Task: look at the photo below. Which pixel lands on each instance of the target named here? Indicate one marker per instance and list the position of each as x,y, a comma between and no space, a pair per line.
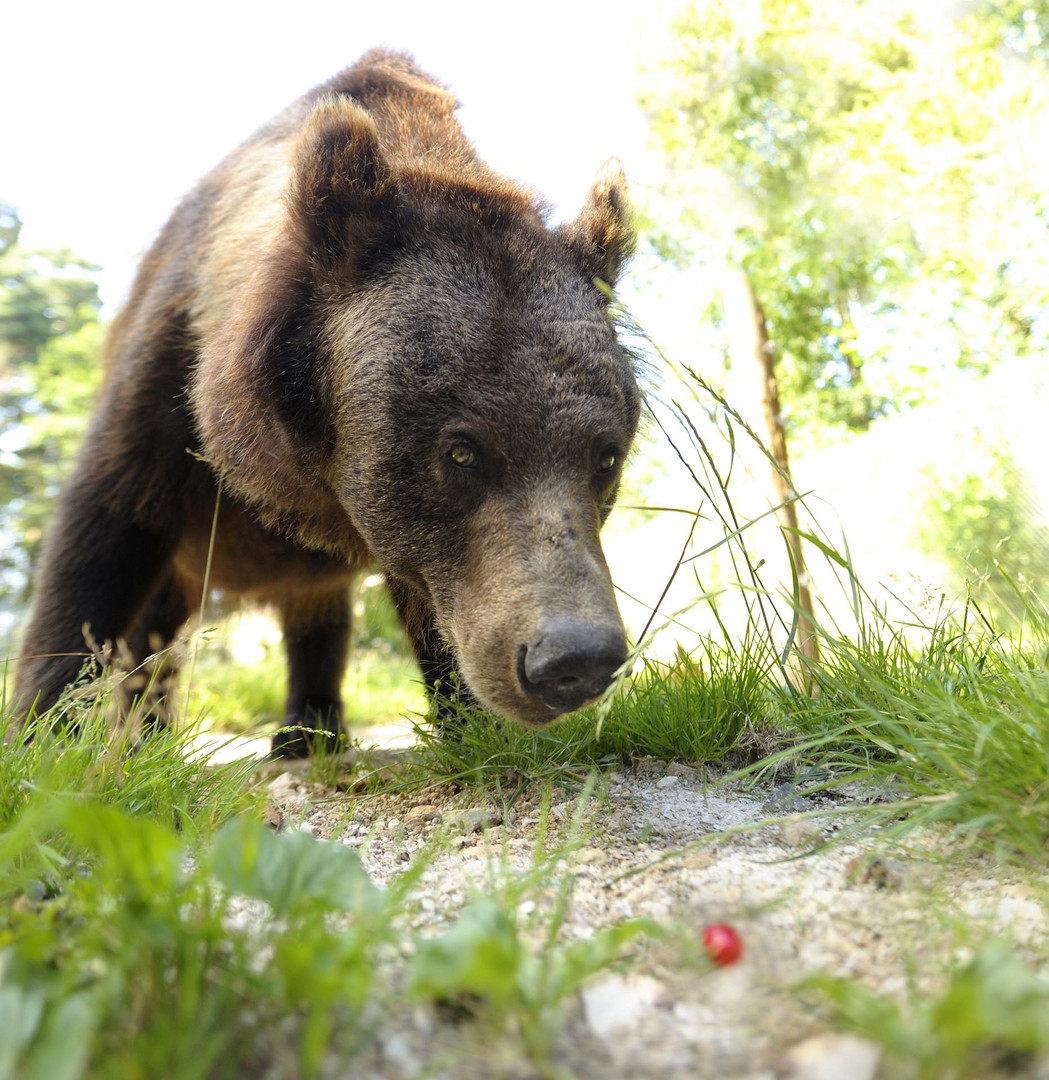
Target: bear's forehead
462,304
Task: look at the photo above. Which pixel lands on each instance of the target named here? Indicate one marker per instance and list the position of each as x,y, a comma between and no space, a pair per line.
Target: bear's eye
463,455
607,461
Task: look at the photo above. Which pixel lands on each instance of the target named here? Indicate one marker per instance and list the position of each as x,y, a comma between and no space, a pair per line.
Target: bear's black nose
570,662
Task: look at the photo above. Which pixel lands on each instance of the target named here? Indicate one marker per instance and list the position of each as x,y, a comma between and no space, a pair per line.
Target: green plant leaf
292,872
995,999
481,955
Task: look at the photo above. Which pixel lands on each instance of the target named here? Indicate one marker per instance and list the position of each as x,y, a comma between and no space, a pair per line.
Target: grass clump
951,716
159,777
504,959
145,965
701,707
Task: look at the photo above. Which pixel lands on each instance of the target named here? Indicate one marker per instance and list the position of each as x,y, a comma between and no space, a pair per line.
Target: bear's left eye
607,461
463,455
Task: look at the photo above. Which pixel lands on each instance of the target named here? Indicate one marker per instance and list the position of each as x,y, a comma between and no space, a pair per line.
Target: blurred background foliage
50,370
868,180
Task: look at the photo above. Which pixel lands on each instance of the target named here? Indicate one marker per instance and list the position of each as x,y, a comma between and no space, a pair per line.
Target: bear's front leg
444,685
316,632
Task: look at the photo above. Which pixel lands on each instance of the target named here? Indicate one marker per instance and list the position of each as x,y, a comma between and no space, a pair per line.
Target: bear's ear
603,235
340,179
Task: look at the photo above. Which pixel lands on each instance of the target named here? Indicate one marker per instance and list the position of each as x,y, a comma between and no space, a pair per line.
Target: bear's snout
570,662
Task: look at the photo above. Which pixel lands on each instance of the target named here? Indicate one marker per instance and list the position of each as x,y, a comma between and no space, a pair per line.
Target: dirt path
648,851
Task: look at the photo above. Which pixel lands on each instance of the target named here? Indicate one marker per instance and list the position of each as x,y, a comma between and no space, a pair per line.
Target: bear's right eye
463,455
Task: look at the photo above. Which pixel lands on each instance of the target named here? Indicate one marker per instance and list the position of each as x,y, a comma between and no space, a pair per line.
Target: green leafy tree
49,373
862,171
979,515
857,163
1017,25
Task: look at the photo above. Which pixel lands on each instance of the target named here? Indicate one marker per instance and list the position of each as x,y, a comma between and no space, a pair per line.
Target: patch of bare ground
662,844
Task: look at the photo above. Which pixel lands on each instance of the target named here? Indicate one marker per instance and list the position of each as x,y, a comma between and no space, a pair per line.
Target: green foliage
992,1009
983,516
948,717
293,874
142,968
483,959
45,294
1019,25
142,942
858,164
50,343
486,962
156,778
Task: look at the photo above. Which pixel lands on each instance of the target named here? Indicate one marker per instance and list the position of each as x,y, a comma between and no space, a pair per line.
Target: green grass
951,716
139,966
703,707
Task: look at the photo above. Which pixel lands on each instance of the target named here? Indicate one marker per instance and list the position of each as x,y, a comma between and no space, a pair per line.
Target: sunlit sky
113,110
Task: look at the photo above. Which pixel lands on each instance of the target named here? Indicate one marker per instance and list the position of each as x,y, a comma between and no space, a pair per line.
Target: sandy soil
663,842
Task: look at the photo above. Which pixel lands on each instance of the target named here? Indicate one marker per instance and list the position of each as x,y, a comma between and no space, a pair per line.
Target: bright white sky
113,110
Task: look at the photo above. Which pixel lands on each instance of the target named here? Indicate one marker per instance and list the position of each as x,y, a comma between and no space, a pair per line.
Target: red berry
724,946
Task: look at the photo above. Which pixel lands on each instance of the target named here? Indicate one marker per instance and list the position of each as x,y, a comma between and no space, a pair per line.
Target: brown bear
364,348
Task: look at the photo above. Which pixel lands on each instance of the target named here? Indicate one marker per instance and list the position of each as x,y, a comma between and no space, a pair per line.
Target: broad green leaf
292,871
481,954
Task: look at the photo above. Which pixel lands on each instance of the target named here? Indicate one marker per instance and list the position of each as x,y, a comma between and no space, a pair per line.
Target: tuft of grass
145,964
512,970
950,715
705,706
157,776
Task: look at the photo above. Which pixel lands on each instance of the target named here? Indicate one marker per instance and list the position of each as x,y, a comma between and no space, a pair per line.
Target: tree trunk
787,512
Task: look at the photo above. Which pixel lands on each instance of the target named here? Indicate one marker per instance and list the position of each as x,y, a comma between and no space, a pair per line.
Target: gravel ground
655,845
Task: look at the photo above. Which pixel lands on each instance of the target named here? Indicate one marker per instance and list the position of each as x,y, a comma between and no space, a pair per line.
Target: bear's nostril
570,662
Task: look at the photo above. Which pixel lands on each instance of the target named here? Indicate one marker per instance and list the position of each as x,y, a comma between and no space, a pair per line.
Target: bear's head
443,367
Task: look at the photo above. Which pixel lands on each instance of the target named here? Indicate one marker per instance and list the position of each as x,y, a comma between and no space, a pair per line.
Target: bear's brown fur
378,350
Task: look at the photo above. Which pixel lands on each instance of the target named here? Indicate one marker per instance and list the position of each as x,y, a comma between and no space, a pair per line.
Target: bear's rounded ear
603,236
339,180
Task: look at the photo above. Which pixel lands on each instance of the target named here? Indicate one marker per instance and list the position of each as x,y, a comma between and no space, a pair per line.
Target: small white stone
619,1002
668,781
833,1057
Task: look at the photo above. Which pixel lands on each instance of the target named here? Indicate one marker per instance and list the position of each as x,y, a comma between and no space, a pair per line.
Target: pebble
473,820
650,769
283,787
798,832
785,799
619,1002
419,814
831,1056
